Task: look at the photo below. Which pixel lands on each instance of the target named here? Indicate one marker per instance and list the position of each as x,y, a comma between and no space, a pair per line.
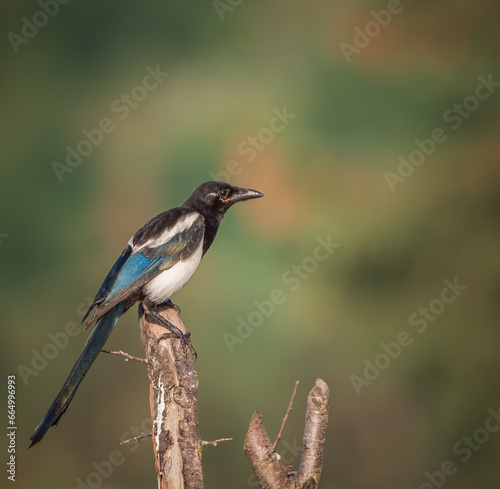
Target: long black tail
92,347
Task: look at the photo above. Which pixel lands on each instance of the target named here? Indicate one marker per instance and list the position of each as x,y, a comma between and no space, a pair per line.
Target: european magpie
158,261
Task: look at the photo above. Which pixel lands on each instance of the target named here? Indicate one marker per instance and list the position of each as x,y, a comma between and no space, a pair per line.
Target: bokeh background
230,65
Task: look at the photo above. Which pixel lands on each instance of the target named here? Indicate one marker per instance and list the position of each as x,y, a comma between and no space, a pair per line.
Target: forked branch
269,471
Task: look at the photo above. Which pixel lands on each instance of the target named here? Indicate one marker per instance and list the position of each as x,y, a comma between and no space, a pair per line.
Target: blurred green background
324,175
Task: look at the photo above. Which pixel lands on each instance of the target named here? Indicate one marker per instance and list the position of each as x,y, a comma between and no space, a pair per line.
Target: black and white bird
158,261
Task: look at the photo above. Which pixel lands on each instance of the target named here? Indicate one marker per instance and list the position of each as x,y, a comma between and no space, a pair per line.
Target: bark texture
173,393
265,461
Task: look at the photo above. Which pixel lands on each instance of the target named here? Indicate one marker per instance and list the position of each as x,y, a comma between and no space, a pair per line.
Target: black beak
245,194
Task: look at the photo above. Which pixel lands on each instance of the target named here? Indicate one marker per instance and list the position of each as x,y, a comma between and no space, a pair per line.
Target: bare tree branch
259,451
174,386
314,437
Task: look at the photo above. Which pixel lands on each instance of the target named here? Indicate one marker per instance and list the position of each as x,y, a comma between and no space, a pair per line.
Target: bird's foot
174,331
185,338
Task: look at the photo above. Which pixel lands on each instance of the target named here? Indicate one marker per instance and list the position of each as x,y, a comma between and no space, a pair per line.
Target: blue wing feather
133,270
137,269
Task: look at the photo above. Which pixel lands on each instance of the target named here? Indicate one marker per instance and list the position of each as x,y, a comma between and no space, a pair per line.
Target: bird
158,261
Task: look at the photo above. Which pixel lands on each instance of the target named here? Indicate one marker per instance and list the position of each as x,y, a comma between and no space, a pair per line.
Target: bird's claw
186,340
173,306
184,337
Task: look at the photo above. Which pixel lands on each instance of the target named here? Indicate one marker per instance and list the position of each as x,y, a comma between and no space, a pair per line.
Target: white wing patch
186,222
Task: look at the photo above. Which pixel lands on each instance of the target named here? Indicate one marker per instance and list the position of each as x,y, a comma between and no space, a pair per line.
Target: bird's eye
224,193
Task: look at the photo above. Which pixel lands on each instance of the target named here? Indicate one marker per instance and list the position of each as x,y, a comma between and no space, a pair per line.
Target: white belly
165,285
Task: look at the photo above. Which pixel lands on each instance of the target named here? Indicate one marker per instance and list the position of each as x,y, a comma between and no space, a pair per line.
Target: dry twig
214,442
125,355
137,438
285,418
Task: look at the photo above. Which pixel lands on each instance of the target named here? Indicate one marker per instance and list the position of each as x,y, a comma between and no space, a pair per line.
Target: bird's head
217,197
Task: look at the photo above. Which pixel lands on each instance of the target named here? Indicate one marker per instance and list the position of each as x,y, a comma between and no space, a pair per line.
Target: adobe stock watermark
293,277
223,6
254,143
454,116
464,449
364,36
31,27
12,427
121,107
102,470
3,236
419,320
57,342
